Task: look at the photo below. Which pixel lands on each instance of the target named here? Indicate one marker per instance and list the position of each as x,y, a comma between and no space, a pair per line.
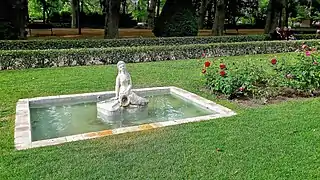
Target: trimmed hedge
21,59
105,43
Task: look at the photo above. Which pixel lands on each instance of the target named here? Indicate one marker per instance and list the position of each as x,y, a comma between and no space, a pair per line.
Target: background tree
151,13
273,15
74,9
13,18
219,19
178,18
112,14
202,13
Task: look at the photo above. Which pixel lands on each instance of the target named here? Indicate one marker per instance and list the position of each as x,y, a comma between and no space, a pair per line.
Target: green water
56,120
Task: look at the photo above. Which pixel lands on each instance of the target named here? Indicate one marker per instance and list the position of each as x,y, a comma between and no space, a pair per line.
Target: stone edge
89,96
202,102
191,97
22,128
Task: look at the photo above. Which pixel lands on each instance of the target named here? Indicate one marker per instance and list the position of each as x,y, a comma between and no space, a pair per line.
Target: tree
13,18
218,26
74,10
151,13
178,18
202,13
112,14
274,11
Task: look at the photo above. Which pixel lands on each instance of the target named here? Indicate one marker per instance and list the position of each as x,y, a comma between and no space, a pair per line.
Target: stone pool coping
22,133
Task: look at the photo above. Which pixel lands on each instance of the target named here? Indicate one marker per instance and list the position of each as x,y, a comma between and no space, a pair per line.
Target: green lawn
272,142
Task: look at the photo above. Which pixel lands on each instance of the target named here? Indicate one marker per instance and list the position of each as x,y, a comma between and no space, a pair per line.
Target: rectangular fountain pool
58,119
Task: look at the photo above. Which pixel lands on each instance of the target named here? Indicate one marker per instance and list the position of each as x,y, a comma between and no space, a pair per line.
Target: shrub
265,78
303,74
19,59
178,18
181,24
247,79
105,43
7,31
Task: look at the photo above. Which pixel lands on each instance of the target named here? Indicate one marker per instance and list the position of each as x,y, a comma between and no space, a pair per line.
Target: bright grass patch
279,141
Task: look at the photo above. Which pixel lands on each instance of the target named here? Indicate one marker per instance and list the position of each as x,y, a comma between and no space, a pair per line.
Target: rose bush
266,77
303,74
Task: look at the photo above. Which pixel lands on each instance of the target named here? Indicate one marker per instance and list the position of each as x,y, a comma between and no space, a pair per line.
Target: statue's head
121,66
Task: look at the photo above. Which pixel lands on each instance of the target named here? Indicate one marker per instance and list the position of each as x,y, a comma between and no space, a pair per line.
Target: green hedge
21,59
105,43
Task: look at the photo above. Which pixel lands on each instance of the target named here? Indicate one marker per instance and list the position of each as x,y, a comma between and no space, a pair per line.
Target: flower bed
268,78
21,59
105,43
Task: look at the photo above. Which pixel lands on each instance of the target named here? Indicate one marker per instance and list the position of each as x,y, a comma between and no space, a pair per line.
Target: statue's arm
117,87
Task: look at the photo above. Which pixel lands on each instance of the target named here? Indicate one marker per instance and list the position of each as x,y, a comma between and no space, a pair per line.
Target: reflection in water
63,120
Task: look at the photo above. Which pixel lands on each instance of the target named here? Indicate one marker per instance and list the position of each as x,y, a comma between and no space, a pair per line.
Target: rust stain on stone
90,134
105,133
145,127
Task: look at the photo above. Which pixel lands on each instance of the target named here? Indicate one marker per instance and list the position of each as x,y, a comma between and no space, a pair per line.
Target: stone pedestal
111,111
108,110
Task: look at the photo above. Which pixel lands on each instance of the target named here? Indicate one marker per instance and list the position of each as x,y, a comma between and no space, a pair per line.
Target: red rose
308,53
222,73
274,61
241,89
203,54
207,64
315,63
222,66
204,71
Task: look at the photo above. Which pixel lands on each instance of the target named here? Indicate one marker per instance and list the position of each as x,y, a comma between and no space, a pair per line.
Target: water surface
56,120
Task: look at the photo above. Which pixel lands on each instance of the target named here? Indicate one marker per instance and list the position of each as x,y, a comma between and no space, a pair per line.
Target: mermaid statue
124,96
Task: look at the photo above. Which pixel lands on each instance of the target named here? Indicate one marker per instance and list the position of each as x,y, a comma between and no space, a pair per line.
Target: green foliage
265,78
60,7
7,31
177,19
140,10
52,6
104,43
20,59
182,23
246,77
303,74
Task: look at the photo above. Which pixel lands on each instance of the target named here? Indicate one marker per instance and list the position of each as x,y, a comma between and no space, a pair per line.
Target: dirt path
124,33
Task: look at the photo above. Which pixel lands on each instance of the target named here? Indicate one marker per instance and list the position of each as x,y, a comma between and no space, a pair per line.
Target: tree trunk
106,14
209,18
151,13
44,8
113,19
285,14
273,15
22,17
202,13
124,6
218,26
74,9
158,8
13,19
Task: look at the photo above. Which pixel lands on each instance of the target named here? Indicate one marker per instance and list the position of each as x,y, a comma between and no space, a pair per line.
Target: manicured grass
273,142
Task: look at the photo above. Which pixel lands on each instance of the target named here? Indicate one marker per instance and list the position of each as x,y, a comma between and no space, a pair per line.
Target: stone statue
123,88
124,96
